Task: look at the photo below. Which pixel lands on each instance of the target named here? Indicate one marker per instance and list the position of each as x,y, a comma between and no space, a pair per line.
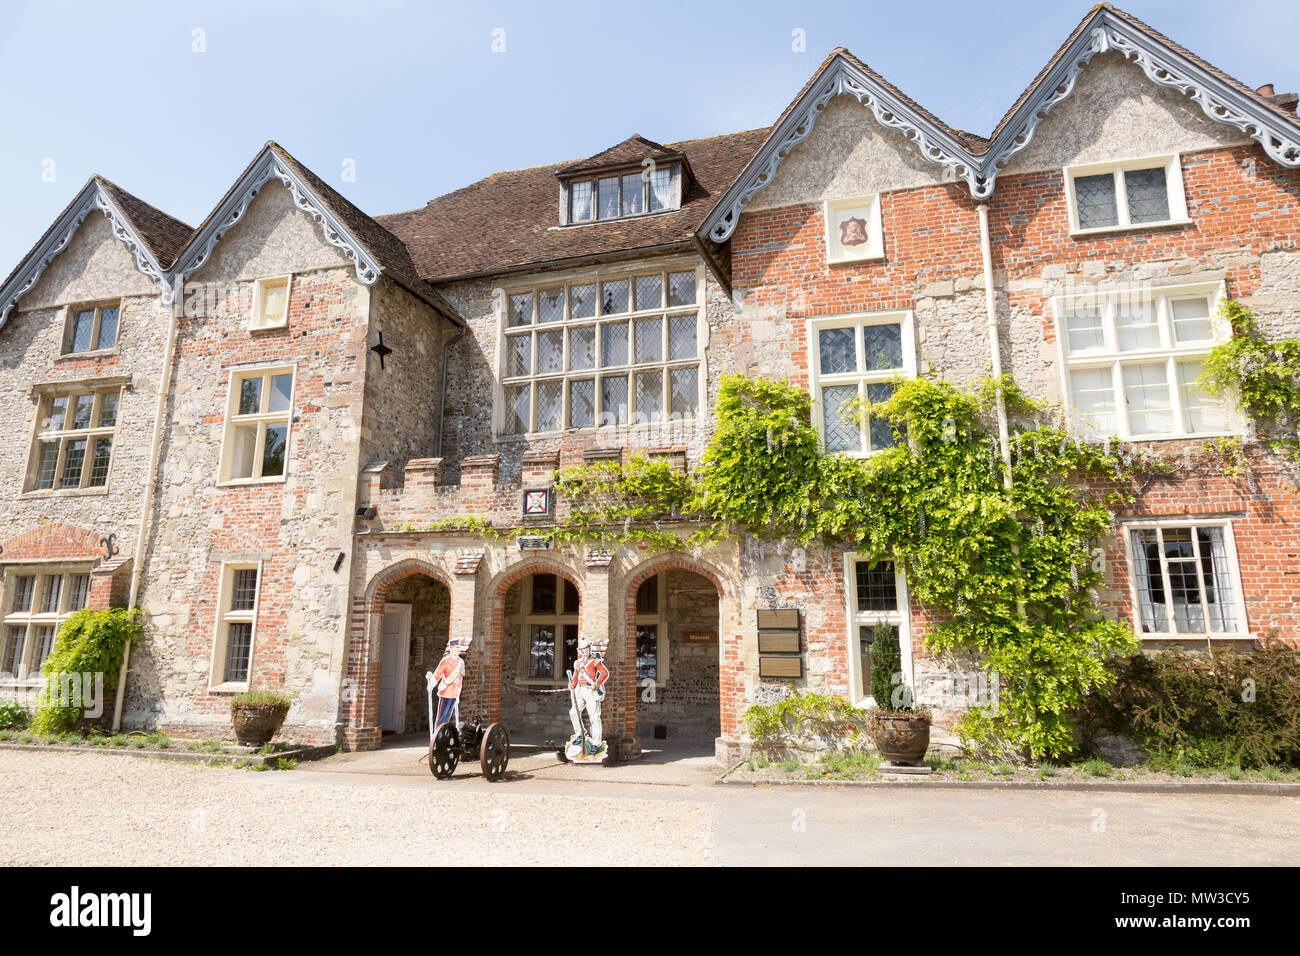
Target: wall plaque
778,642
699,637
782,667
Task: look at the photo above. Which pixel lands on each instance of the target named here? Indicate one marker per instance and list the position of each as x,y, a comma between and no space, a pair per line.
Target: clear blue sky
414,94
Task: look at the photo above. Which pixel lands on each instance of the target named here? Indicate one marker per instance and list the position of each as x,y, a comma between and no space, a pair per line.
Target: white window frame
900,619
598,372
556,621
1234,569
660,620
862,379
1172,166
257,319
875,244
1170,353
224,616
647,187
262,419
65,434
35,618
69,328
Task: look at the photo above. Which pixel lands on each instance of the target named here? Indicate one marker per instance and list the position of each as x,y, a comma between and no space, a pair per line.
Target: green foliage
13,715
799,715
88,642
1263,376
886,661
1213,709
261,698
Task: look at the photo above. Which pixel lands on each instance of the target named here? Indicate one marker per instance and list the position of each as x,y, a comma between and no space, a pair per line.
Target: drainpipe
995,345
146,510
442,398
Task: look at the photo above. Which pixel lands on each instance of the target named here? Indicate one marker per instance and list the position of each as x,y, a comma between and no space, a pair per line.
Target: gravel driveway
93,809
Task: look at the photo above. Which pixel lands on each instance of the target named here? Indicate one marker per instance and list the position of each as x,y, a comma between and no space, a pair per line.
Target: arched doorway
413,637
674,632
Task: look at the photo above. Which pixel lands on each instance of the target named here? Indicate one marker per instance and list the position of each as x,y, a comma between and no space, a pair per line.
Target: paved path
387,808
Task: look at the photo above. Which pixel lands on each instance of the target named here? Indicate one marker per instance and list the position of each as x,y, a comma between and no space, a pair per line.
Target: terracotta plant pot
901,738
256,724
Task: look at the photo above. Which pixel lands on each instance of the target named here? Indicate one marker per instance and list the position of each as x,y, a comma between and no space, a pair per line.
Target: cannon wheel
444,752
494,754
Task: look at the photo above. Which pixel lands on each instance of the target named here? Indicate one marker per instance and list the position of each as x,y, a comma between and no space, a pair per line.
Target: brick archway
730,680
362,730
489,683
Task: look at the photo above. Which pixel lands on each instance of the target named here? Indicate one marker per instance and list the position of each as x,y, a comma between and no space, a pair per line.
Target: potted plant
900,730
257,715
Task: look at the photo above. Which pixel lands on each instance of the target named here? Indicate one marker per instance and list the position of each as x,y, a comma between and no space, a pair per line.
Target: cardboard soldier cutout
586,692
448,677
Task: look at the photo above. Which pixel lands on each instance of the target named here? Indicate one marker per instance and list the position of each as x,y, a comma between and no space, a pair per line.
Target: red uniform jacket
594,674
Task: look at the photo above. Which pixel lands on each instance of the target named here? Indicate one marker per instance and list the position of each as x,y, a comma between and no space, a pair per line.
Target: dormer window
624,194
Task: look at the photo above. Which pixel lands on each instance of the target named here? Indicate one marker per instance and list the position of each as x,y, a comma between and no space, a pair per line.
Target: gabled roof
631,152
152,236
511,220
977,160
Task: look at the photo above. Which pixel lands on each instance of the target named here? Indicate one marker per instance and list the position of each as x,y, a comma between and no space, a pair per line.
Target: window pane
650,292
550,406
13,651
684,391
81,410
1148,195
107,328
608,197
243,589
108,410
99,462
1146,391
570,648
1095,198
647,596
580,205
520,309
519,350
866,638
582,403
632,204
613,409
243,451
661,188
541,651
839,421
582,348
23,588
880,432
518,398
250,395
550,305
1220,596
1202,412
650,396
78,591
277,437
550,351
613,344
58,413
1191,319
570,595
1083,330
74,456
647,652
582,301
876,586
44,645
83,328
281,387
681,288
1183,580
544,594
274,302
1092,393
239,642
49,461
650,340
53,587
837,351
614,297
681,336
1135,326
882,347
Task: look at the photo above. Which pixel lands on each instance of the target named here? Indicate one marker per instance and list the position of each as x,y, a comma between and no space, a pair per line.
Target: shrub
808,714
261,698
88,642
886,661
1205,709
13,715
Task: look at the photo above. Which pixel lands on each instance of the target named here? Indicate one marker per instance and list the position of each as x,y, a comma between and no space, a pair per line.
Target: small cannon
468,739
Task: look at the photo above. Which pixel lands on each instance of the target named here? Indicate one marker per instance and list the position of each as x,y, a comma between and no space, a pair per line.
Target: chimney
1286,101
1265,90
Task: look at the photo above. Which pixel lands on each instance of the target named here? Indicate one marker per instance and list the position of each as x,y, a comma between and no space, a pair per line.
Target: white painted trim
255,320
262,419
901,619
875,245
217,663
1174,190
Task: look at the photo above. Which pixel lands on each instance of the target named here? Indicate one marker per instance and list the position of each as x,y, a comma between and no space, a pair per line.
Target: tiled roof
164,235
511,220
632,151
